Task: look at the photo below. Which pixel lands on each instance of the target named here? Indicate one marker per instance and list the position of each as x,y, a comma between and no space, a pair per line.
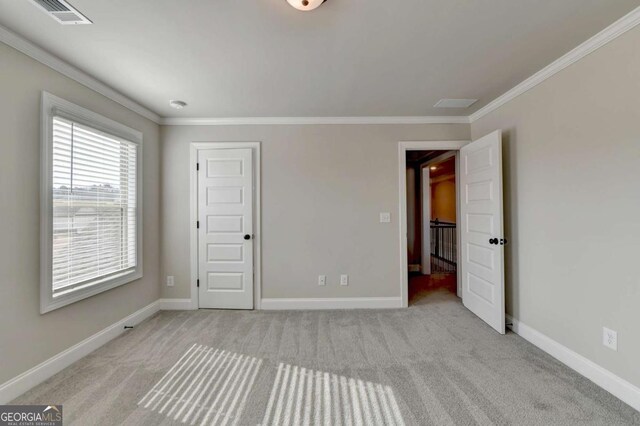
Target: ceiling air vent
455,103
62,12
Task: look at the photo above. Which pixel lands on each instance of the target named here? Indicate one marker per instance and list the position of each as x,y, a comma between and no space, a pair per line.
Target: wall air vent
62,11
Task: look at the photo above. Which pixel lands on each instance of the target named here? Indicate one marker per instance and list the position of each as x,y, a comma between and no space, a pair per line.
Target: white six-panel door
481,229
225,233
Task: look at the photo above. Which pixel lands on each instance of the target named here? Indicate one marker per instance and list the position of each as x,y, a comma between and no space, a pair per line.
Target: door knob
247,237
503,241
493,241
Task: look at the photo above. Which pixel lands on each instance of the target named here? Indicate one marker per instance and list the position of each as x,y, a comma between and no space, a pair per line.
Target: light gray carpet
434,363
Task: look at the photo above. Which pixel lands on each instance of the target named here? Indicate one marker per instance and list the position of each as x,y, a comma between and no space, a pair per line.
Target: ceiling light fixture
177,104
305,5
434,168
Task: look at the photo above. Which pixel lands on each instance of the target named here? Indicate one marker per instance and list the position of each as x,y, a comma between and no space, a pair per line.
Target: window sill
49,302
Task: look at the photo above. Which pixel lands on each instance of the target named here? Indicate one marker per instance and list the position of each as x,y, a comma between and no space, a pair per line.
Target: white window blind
94,206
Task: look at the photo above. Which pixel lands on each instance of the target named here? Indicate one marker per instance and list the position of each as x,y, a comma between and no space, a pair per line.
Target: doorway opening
432,239
479,239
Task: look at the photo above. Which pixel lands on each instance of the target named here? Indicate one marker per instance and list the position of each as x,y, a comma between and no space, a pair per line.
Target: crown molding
21,44
245,121
613,31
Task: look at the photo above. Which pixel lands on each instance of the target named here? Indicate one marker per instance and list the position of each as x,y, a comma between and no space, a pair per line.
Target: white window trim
52,105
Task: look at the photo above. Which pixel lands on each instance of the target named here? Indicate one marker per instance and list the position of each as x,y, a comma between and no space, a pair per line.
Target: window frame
54,106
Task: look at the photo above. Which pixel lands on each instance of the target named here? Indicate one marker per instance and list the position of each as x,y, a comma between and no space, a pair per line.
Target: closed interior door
225,233
482,240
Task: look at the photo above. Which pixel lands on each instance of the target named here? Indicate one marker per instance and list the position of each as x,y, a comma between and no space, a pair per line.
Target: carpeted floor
434,363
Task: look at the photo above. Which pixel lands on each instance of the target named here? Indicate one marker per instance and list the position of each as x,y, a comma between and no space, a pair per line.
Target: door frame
193,215
403,147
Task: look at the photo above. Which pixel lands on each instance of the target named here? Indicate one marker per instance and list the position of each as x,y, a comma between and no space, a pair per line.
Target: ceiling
416,158
443,168
348,58
446,167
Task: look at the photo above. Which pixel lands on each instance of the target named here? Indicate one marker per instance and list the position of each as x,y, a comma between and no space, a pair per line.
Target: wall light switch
322,280
610,338
385,217
344,279
170,281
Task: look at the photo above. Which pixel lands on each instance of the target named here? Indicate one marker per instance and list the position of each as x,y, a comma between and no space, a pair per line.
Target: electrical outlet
385,217
322,280
344,279
610,338
170,281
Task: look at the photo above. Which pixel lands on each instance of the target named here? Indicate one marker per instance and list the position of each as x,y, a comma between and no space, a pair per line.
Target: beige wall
26,337
443,200
572,198
323,188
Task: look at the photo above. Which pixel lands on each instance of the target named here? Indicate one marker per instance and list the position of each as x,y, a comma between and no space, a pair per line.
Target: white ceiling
262,58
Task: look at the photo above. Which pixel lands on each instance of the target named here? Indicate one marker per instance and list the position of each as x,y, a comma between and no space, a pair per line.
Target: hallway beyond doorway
424,289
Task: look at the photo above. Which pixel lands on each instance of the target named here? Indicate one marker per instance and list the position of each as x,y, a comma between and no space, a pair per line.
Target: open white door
225,228
482,263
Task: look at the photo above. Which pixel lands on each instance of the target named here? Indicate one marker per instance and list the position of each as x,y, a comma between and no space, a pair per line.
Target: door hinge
197,166
198,224
198,283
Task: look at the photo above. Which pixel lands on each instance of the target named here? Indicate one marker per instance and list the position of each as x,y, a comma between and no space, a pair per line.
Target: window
91,221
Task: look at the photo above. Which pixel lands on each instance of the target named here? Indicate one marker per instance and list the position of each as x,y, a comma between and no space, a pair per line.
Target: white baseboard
617,386
176,305
41,372
414,268
332,303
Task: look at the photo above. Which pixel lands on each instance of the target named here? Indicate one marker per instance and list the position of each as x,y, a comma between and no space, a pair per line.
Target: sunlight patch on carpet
206,386
302,396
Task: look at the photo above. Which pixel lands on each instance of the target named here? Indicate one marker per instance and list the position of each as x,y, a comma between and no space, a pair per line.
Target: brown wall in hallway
443,200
